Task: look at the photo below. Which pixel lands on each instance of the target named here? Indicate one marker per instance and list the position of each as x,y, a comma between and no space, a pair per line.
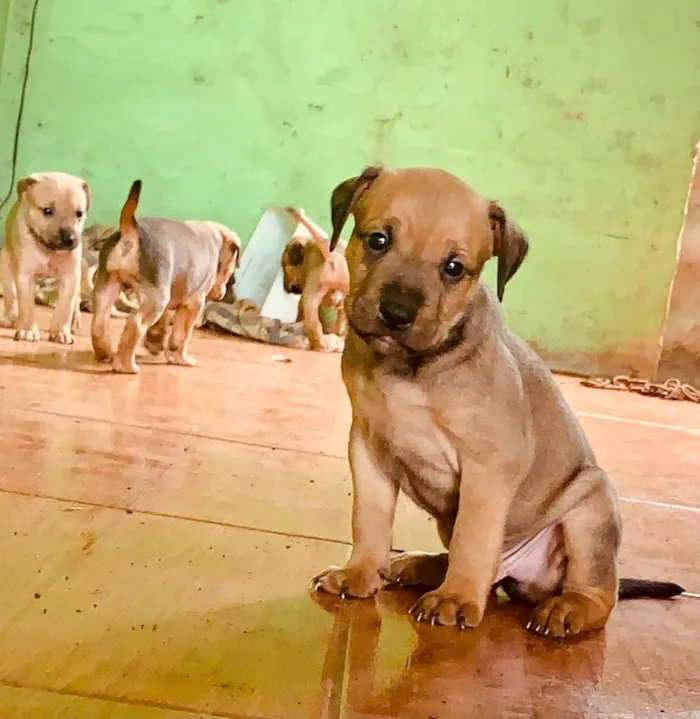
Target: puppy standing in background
320,276
174,266
43,237
452,408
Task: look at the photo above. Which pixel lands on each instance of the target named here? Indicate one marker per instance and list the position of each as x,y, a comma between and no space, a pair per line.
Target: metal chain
671,389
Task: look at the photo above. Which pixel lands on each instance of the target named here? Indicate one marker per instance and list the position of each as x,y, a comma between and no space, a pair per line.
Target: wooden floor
158,534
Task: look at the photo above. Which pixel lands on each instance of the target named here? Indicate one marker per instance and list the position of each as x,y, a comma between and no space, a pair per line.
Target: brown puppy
175,267
43,234
461,415
321,278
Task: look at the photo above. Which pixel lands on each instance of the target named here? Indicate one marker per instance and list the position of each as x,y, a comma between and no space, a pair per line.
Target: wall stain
594,84
198,79
623,139
590,27
314,107
384,128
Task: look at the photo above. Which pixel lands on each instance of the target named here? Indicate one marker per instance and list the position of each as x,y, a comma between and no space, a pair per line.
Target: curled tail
127,220
639,588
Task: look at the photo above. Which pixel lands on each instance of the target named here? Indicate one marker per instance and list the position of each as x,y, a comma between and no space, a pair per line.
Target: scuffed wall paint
680,355
561,111
4,9
15,41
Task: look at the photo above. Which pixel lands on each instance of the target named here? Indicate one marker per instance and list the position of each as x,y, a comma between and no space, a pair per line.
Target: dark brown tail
127,221
639,588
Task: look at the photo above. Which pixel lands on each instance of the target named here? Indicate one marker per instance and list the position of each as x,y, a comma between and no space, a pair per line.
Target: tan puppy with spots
321,278
453,409
43,238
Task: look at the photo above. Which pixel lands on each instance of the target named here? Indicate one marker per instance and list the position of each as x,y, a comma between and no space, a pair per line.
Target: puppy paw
567,615
8,323
153,345
61,337
417,569
447,609
332,343
30,335
349,583
124,366
102,354
180,358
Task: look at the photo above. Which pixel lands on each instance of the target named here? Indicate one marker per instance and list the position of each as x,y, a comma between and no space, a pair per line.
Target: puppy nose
398,306
66,237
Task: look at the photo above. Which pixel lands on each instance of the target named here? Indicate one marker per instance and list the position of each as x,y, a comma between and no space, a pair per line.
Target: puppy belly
537,562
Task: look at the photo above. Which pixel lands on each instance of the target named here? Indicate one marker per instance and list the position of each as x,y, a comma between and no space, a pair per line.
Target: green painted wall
580,117
4,8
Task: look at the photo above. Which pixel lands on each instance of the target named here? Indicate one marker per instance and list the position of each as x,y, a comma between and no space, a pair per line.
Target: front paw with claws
61,337
447,609
27,335
349,582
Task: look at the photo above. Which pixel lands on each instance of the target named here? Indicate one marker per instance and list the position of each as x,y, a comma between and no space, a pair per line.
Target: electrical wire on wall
20,109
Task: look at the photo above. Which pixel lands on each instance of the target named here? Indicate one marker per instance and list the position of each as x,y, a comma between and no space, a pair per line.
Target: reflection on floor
159,532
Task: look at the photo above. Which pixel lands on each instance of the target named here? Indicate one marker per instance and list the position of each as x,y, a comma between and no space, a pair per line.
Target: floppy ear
86,188
510,246
25,183
345,197
295,254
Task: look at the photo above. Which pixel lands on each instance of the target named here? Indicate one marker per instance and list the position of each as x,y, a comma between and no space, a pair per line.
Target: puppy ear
295,254
25,184
346,196
234,244
86,189
510,246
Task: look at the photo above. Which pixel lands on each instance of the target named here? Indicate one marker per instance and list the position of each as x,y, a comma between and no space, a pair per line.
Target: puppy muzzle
399,306
63,241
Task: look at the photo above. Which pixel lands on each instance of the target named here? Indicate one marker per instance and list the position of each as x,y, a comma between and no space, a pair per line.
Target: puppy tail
645,588
127,219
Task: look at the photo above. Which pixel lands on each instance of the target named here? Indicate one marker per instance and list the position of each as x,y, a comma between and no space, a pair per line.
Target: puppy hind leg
592,533
422,569
183,324
105,293
153,305
154,341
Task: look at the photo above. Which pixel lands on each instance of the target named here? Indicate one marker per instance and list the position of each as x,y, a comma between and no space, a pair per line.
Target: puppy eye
48,211
454,269
79,214
378,242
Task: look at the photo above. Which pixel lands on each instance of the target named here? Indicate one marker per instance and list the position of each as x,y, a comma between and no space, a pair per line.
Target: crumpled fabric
242,318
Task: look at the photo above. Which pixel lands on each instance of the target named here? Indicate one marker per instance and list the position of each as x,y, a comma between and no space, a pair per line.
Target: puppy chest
400,416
